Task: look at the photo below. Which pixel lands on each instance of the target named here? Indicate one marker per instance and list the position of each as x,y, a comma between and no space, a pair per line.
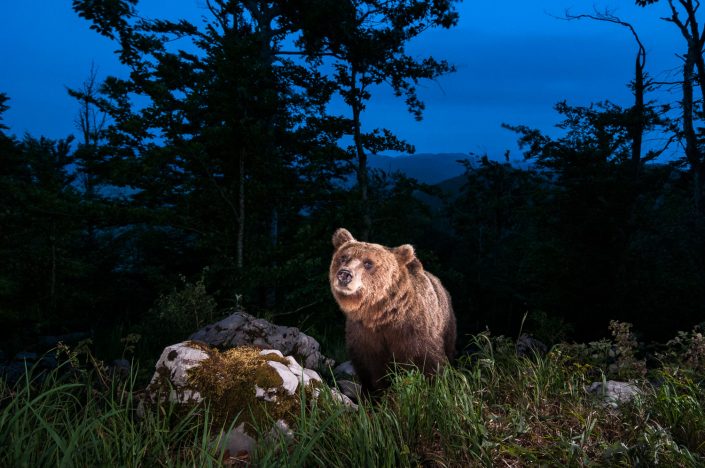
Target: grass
493,409
54,420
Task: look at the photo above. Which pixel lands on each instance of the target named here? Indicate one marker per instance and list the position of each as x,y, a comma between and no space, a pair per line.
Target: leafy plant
179,313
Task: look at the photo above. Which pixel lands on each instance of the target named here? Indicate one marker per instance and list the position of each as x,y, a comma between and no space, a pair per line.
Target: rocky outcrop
243,329
242,384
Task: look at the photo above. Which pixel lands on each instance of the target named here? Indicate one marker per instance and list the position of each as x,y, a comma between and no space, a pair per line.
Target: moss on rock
228,380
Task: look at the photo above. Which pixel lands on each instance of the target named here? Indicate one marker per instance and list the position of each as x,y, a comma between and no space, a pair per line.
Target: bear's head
364,275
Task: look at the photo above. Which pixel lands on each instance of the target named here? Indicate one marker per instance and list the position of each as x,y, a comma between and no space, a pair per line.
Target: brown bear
396,311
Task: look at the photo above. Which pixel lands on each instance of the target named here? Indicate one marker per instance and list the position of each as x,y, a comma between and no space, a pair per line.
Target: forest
216,170
212,177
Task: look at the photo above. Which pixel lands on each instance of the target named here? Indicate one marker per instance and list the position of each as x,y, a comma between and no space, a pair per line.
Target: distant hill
428,168
450,187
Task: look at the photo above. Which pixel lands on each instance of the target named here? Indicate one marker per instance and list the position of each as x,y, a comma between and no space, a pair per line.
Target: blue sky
514,62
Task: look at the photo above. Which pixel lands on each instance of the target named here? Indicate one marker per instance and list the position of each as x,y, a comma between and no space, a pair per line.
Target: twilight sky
514,62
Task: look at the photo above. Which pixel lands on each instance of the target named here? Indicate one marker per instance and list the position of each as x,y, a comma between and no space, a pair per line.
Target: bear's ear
405,253
341,236
407,256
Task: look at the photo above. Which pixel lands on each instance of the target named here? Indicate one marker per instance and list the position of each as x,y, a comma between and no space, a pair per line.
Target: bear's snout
344,276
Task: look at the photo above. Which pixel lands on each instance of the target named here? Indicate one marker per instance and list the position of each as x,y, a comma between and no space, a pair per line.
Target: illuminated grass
494,409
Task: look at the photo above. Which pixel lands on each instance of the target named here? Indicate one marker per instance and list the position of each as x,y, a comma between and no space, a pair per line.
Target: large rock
350,389
243,329
172,372
344,370
244,382
528,346
346,381
613,392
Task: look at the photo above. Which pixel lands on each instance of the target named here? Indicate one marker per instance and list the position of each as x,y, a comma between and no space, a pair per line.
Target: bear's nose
344,276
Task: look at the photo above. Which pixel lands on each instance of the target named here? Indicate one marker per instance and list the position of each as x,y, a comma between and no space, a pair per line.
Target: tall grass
494,409
70,419
498,409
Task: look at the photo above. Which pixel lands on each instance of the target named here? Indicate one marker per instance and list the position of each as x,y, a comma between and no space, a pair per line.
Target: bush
179,313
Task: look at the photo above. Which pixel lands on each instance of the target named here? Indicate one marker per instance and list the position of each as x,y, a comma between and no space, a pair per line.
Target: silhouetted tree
91,123
684,16
230,145
365,41
601,223
642,116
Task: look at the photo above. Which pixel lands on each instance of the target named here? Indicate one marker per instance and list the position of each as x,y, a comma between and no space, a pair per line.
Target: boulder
344,370
25,361
172,373
613,392
243,329
244,382
528,346
121,367
350,389
346,380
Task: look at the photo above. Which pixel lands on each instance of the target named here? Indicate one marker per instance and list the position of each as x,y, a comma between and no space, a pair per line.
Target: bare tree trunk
695,38
52,280
698,181
699,169
691,141
362,179
638,123
690,30
271,292
241,212
694,59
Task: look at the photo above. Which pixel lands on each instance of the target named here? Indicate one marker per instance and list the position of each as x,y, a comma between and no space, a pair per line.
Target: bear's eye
368,264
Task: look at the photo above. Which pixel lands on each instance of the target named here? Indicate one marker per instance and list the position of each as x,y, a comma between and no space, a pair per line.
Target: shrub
179,313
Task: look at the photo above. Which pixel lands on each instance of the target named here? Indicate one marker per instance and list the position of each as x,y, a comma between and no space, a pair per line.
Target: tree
601,240
684,15
230,147
40,229
641,115
91,123
366,41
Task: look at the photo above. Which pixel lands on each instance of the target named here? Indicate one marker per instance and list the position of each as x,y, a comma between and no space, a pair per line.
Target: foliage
590,242
496,408
71,418
615,359
219,151
179,313
627,365
366,49
217,161
500,409
685,352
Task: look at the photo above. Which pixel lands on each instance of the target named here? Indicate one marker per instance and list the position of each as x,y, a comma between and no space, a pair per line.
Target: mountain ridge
429,168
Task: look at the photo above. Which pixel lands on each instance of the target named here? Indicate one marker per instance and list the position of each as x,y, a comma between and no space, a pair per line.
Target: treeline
216,171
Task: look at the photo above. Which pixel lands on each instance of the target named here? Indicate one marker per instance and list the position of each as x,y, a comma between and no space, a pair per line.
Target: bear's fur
395,310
